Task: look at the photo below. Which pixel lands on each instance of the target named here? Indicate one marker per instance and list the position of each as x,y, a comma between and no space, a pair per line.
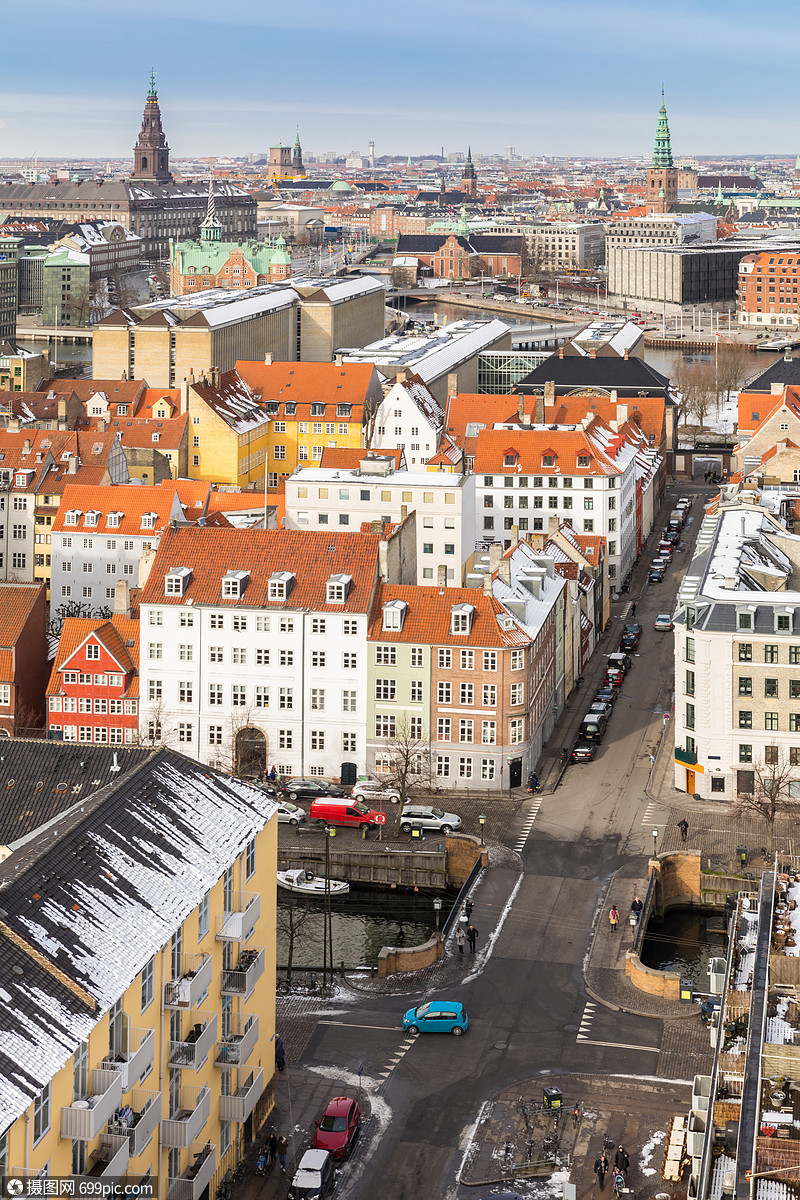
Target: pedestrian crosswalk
527,825
590,1008
651,815
400,1052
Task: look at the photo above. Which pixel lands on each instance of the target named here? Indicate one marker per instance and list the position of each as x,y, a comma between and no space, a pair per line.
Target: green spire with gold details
662,150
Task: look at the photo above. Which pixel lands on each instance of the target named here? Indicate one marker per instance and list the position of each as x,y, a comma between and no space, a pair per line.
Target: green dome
280,255
341,185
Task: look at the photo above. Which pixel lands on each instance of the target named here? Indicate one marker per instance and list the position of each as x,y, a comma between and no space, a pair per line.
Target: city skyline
589,87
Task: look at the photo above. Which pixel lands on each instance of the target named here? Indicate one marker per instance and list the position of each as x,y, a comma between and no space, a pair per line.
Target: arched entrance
251,753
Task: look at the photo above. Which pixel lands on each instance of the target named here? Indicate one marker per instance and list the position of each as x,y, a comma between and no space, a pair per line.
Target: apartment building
444,504
566,245
93,693
139,935
662,229
451,684
409,415
253,649
737,655
768,289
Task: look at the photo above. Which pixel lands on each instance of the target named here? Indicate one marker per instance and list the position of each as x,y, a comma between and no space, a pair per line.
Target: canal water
362,923
681,942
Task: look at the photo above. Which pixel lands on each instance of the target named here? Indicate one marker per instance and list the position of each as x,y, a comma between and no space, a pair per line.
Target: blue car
437,1016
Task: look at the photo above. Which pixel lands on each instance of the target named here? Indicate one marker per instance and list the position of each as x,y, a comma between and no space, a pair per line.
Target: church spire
297,155
662,150
469,183
210,229
151,152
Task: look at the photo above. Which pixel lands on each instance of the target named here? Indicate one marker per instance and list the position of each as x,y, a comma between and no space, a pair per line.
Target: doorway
349,774
515,773
251,753
690,781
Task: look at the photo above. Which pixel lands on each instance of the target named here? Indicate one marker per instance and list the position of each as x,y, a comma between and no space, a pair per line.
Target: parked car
607,693
614,677
310,789
370,789
593,727
656,574
633,627
335,811
437,1016
583,750
663,622
620,659
628,642
425,816
314,1178
338,1128
665,549
290,814
604,707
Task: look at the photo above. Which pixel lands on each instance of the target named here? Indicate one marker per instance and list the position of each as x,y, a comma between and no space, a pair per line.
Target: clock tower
662,176
151,152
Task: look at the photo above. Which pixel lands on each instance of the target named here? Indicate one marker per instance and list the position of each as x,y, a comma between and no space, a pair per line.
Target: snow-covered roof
431,355
96,894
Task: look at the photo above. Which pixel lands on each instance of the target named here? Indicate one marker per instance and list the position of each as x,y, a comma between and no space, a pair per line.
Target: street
529,1012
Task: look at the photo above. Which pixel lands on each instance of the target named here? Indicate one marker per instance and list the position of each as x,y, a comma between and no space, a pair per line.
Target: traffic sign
380,818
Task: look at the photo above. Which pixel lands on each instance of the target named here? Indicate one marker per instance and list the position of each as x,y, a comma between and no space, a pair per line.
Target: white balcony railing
194,982
110,1158
136,1060
193,1051
242,979
241,1103
83,1119
188,1121
239,923
235,1049
197,1176
138,1119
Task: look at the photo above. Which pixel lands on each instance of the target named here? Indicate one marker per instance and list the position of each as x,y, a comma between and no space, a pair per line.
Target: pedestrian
636,908
633,609
461,937
472,937
468,907
283,1146
272,1148
600,1168
622,1160
280,1053
613,918
684,828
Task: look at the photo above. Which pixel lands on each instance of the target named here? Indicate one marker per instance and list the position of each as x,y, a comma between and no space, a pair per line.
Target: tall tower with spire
297,156
151,152
210,228
469,182
662,176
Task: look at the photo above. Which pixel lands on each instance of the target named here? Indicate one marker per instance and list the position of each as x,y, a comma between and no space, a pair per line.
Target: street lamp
437,906
655,838
482,822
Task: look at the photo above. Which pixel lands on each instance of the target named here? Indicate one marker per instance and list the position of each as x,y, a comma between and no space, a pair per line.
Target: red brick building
23,657
93,694
768,289
465,255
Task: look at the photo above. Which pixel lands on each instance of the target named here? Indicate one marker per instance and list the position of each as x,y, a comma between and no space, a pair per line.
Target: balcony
136,1060
137,1120
83,1119
688,757
242,980
197,1176
110,1158
188,1121
235,1049
194,982
193,1051
238,1106
239,923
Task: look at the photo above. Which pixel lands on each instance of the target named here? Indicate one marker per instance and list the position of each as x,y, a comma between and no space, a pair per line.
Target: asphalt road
528,1010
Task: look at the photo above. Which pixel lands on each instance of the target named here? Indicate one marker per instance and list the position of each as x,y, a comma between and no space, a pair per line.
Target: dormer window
113,520
744,618
92,517
272,408
784,620
234,584
149,520
548,460
461,616
73,516
510,458
394,614
290,408
280,585
317,410
584,460
337,588
156,437
176,581
122,410
344,410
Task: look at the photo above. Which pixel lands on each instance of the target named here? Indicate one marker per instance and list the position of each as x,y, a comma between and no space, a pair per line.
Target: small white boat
306,883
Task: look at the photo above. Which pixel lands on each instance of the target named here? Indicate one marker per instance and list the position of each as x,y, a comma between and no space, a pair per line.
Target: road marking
649,815
531,816
589,1010
617,1045
351,1025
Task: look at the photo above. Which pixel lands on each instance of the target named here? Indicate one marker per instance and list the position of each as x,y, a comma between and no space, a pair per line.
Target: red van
342,812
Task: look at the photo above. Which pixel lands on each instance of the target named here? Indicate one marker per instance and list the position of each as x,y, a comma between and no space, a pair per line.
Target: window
516,730
465,768
348,743
239,624
348,701
215,735
689,685
443,729
489,693
184,731
204,916
416,691
770,653
690,649
239,695
794,722
517,693
384,726
148,978
317,740
717,783
186,652
262,696
286,658
386,655
745,652
155,650
745,718
690,716
517,660
487,768
771,687
350,628
318,699
745,685
771,756
465,731
417,656
442,766
284,740
490,660
216,621
794,655
445,658
185,692
444,692
350,661
466,693
41,1114
285,697
215,694
467,661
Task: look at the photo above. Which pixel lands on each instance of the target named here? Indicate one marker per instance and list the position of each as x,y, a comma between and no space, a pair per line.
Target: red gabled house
93,694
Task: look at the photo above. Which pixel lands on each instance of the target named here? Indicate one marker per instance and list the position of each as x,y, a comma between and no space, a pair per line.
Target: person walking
280,1053
283,1146
472,937
468,907
613,918
684,828
636,908
601,1168
272,1149
622,1160
461,937
633,609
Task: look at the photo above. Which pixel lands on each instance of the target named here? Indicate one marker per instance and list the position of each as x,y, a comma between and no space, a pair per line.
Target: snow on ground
648,1150
379,1112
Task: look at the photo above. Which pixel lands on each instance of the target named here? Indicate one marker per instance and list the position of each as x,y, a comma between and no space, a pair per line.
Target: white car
425,816
370,789
290,814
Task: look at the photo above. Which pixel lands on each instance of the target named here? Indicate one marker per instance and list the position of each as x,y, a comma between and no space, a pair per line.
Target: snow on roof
431,355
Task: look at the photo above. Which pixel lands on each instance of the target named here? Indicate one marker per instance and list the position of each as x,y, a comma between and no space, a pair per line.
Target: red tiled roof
469,408
531,445
16,604
130,500
645,411
312,556
349,458
117,391
428,617
137,432
119,636
304,382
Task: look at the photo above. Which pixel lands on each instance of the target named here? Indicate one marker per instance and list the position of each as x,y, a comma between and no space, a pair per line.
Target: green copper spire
662,151
152,91
720,199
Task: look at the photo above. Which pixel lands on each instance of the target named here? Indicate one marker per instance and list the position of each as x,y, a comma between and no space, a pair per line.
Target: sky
581,78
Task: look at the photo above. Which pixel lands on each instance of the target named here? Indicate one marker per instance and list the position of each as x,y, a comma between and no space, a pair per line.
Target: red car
338,1128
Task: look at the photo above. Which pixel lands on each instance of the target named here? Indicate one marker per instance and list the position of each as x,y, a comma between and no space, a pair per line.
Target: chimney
495,554
338,358
552,524
62,412
441,575
13,425
622,414
487,582
561,352
268,359
787,354
452,384
776,389
72,465
504,566
521,408
184,396
539,417
215,377
122,602
26,446
101,425
592,353
403,511
613,396
625,355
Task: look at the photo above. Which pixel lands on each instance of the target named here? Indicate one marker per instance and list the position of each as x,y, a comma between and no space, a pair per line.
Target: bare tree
292,918
409,757
157,726
80,303
28,722
771,796
696,385
74,608
732,360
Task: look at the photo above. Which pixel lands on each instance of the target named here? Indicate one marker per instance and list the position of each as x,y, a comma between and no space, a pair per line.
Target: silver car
425,816
370,789
290,814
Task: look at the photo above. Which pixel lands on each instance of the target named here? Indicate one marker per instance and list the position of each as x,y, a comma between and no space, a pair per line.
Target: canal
682,941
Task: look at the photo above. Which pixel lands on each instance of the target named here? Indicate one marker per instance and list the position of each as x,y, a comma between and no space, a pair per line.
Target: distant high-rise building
662,176
151,152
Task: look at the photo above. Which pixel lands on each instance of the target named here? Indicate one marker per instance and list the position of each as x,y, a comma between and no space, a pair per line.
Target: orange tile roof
428,617
349,458
137,432
30,450
312,556
119,636
765,404
468,408
151,396
117,391
130,500
192,493
646,411
531,445
304,382
220,501
17,601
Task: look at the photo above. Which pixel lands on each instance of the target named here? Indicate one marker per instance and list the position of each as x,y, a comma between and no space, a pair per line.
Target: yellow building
312,406
228,431
138,936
